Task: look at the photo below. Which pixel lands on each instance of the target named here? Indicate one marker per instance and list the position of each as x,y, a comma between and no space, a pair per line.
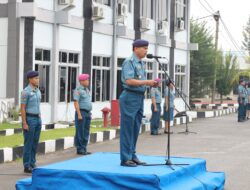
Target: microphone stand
186,132
168,161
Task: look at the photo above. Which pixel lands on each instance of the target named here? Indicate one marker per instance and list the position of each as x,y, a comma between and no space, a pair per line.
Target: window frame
183,5
101,68
147,9
160,10
67,65
180,77
102,2
44,63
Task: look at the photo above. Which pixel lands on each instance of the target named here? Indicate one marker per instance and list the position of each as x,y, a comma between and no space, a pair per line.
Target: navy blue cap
140,43
31,74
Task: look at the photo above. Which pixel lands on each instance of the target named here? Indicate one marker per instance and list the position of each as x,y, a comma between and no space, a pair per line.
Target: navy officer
83,107
31,120
132,102
155,94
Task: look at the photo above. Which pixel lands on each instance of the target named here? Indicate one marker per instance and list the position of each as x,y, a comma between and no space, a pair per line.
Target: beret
83,77
31,74
140,43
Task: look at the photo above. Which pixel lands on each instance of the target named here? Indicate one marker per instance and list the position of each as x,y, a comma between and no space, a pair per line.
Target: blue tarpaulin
103,171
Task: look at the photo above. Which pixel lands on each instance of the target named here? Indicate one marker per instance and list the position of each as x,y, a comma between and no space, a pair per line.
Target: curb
214,106
210,114
8,132
48,146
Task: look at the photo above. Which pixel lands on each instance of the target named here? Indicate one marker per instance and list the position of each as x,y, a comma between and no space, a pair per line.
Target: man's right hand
155,110
25,127
151,83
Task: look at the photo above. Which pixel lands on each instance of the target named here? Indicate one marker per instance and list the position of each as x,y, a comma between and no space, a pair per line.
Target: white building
62,38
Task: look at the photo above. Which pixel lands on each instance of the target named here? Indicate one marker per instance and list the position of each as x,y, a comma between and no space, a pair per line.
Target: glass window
62,57
42,65
101,79
163,10
96,85
62,86
105,2
96,61
180,11
105,85
76,57
71,58
147,7
43,81
180,76
119,88
106,62
46,55
72,75
67,75
38,54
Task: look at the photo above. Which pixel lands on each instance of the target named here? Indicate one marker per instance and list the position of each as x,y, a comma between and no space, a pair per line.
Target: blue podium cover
103,171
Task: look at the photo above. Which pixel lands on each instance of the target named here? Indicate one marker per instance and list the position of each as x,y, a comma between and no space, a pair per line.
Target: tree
227,71
201,61
246,36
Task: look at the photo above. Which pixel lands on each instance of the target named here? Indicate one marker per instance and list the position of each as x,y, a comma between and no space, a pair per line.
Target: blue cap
140,43
31,74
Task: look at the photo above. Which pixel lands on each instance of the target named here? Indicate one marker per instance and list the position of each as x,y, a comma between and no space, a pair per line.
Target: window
180,77
180,11
101,79
162,76
68,71
119,88
147,7
104,2
128,2
149,71
42,65
162,10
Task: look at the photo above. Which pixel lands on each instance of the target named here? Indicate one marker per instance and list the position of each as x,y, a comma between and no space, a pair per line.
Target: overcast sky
234,14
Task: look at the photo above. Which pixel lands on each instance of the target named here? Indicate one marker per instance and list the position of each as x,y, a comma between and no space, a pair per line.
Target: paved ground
223,142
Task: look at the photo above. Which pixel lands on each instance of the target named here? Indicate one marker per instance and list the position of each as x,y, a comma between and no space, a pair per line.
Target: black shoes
133,163
166,132
138,162
83,153
28,170
128,163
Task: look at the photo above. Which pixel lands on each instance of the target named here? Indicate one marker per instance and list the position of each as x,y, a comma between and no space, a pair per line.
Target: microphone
151,56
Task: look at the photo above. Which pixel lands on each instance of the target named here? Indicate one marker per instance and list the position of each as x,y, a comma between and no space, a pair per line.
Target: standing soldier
241,101
248,96
31,120
83,107
155,108
168,107
132,102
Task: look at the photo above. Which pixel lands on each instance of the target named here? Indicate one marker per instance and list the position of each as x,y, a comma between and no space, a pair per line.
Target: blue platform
103,171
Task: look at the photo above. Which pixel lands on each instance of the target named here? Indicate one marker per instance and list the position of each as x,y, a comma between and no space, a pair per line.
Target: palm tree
227,74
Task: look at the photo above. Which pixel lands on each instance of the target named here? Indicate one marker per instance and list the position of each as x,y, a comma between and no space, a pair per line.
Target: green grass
16,140
97,122
3,126
9,126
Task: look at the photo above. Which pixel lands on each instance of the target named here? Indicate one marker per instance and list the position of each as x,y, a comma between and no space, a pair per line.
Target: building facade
62,38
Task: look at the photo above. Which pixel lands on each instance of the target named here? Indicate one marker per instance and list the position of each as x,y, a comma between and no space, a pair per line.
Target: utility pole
217,19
